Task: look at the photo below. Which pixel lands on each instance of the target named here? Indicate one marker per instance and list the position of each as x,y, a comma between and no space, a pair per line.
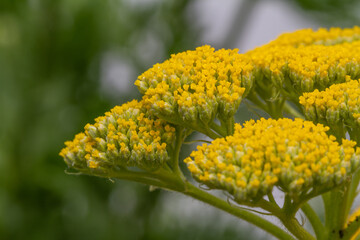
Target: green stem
255,99
345,206
180,134
332,203
351,230
218,129
292,111
352,190
271,198
230,127
287,218
177,120
196,193
338,131
293,225
160,178
315,221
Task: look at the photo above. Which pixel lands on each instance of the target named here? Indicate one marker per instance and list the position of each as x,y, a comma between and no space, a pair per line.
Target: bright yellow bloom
306,60
322,36
194,87
295,155
338,104
125,137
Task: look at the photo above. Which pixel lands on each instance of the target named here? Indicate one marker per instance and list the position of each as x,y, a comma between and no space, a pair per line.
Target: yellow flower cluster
196,86
306,60
125,137
322,36
340,103
294,155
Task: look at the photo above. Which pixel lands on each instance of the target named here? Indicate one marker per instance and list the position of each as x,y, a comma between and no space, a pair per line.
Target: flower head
306,60
125,137
338,104
196,86
322,36
294,155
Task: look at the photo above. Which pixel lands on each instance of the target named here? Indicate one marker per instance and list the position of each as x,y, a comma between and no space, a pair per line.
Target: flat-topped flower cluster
194,87
306,60
294,155
337,104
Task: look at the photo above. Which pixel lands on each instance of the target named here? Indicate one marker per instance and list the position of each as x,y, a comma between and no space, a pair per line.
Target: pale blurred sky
266,20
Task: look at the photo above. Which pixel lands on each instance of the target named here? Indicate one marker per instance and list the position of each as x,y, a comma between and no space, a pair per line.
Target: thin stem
230,127
177,120
332,202
292,111
211,134
338,131
352,230
271,198
315,221
287,218
218,129
352,191
161,178
196,193
180,134
346,203
255,99
292,224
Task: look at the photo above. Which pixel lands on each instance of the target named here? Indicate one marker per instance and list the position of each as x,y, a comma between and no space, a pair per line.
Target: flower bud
127,136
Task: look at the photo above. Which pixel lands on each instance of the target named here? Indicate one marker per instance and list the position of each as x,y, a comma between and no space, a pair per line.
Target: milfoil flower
125,137
337,106
296,156
306,60
193,87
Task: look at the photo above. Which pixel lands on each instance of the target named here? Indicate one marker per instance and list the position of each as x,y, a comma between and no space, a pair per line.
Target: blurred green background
59,69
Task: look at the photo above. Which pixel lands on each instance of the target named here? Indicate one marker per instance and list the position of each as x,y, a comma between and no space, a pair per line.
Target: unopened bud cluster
125,137
197,86
295,155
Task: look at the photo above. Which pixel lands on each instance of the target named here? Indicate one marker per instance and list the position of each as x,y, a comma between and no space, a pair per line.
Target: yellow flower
194,87
125,137
306,60
295,155
338,104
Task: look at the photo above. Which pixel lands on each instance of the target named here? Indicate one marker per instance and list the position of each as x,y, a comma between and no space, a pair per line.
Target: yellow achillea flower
125,137
322,36
294,155
340,103
306,60
194,87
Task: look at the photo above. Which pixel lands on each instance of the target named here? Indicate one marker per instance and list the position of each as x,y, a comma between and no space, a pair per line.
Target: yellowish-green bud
127,136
